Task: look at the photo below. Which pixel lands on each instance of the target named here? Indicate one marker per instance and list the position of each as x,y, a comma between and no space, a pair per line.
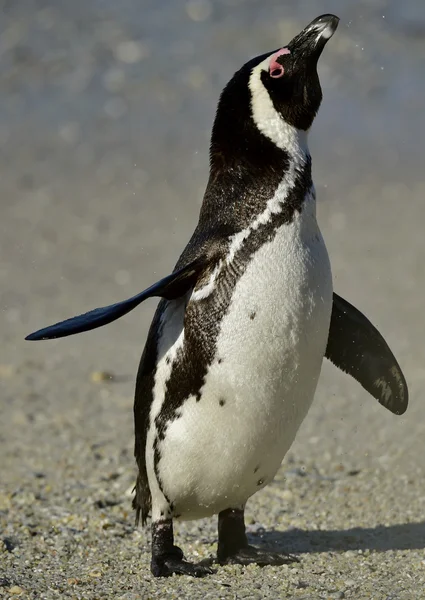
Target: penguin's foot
249,555
233,547
168,559
172,563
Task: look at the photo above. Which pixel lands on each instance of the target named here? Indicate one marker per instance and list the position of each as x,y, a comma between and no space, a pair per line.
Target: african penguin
235,349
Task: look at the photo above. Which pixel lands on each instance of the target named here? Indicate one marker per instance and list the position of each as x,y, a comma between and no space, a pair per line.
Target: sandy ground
105,114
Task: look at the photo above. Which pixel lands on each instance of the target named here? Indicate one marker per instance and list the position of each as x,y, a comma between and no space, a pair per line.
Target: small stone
95,574
287,495
72,581
100,376
353,472
129,492
104,502
10,543
16,590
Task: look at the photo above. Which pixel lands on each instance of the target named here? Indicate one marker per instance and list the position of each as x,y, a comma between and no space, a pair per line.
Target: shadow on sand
407,536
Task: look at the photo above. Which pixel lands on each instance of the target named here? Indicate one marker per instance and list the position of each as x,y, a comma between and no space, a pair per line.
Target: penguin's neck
264,141
247,170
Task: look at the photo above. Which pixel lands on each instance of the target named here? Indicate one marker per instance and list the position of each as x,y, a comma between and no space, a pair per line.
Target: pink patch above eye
275,69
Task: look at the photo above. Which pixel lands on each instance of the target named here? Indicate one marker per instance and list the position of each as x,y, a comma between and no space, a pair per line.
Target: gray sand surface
105,115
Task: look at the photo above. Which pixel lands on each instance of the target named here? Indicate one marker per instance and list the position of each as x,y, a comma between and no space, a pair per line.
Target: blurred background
105,116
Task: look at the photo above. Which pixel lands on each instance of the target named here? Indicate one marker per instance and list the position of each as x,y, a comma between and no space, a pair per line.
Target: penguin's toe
258,556
170,565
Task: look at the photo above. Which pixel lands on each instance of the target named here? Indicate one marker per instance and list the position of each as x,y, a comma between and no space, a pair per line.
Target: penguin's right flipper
356,347
171,287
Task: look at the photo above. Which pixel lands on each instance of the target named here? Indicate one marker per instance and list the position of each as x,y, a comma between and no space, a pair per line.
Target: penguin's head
289,75
274,91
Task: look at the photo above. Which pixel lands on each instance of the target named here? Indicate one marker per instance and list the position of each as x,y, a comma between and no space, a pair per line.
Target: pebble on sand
16,590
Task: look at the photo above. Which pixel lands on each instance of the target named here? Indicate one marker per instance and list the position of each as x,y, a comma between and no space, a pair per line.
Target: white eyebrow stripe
267,119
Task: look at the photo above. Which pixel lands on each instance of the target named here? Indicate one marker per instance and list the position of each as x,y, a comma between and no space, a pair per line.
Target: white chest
260,386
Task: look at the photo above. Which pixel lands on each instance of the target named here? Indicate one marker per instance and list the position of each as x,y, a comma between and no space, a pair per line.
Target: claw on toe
251,555
177,566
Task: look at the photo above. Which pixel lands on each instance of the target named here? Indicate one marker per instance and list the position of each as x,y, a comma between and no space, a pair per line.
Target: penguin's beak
311,41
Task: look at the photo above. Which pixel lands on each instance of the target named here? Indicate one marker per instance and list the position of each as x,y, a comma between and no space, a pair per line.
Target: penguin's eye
276,71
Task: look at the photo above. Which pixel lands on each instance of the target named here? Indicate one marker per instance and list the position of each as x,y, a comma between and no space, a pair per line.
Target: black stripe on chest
203,317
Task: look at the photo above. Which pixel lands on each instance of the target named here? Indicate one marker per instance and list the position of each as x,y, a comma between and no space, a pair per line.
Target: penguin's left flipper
357,348
171,287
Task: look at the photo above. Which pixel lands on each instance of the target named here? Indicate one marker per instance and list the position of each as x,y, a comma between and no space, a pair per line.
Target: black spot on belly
167,360
256,468
220,360
261,481
222,402
252,315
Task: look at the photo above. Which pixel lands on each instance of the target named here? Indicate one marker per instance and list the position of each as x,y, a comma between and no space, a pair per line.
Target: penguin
235,349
